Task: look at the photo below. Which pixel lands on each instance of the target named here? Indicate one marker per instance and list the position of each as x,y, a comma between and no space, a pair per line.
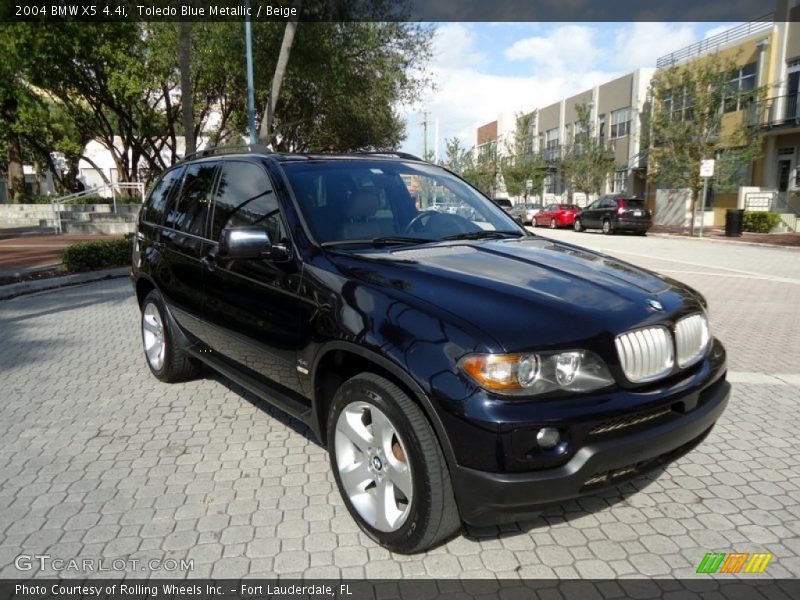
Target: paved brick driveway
98,459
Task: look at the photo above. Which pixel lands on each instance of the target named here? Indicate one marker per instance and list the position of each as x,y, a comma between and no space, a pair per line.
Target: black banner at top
400,10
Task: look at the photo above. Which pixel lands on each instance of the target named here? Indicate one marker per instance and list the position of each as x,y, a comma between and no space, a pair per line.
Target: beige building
615,109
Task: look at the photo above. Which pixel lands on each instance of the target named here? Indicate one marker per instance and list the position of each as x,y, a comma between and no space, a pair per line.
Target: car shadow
264,406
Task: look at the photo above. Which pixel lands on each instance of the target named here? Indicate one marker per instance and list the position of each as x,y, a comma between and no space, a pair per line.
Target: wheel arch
340,359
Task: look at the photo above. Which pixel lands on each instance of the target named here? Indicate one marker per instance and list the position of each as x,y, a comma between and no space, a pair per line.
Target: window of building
601,129
620,123
736,94
551,144
679,105
619,181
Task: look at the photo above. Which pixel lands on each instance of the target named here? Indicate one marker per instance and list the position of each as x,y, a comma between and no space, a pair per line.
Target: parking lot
100,460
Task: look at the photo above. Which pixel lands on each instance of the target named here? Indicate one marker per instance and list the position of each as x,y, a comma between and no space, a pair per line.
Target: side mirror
249,243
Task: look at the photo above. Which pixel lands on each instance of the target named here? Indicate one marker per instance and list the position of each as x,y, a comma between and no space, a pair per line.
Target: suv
314,282
615,213
503,203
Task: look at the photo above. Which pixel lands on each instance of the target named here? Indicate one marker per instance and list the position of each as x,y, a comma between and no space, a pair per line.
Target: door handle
209,262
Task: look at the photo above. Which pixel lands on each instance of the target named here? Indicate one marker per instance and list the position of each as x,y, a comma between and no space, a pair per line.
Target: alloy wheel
373,467
153,336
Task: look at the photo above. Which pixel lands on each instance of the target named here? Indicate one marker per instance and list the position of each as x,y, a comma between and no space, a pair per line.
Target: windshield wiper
483,234
379,242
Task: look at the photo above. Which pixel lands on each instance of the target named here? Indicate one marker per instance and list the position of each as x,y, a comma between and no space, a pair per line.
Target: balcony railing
775,112
715,42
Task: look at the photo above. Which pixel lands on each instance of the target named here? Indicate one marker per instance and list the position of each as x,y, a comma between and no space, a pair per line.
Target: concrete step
92,227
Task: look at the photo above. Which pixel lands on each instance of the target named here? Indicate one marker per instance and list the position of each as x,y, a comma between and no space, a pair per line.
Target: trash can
734,222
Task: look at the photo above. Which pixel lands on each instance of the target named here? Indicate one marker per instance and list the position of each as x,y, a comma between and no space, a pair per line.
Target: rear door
252,307
185,241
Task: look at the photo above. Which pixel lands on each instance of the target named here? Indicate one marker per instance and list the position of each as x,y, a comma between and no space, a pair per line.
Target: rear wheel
389,467
553,224
166,361
608,229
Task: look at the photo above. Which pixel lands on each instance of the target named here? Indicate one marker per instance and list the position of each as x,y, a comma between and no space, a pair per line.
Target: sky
483,69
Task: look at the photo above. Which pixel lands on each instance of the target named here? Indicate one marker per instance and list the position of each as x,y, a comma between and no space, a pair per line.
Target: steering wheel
415,224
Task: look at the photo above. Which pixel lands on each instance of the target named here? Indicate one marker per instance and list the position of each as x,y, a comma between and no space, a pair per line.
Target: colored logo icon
720,562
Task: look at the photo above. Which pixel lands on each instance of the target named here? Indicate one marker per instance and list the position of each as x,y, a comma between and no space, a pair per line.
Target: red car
556,215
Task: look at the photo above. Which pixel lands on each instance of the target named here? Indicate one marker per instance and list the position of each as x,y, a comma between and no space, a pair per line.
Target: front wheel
389,467
577,226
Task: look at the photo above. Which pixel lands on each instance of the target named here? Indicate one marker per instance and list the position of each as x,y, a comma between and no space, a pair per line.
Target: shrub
760,222
34,199
98,254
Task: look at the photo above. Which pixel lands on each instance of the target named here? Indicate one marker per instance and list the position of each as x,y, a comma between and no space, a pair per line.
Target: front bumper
486,498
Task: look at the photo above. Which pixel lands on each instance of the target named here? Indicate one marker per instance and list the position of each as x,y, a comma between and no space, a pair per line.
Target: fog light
548,438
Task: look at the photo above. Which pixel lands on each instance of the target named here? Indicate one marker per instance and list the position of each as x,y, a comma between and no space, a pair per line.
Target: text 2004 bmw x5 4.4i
326,286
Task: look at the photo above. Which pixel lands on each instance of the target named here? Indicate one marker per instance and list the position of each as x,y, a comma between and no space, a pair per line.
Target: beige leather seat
360,220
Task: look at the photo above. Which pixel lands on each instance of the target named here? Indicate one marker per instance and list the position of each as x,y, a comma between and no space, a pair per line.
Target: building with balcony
766,52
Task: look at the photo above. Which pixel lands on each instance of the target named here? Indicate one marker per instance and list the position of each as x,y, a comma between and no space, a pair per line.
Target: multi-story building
766,52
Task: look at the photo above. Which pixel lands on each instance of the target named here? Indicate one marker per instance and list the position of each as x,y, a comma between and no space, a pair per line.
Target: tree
483,174
280,71
586,163
457,158
689,123
521,164
185,66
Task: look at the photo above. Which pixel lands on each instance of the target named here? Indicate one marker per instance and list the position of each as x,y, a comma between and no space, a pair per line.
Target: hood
522,292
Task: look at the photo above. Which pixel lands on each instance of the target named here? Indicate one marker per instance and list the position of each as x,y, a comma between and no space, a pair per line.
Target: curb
733,242
29,287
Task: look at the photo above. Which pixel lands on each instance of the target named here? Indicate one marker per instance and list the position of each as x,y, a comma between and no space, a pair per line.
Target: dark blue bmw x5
329,286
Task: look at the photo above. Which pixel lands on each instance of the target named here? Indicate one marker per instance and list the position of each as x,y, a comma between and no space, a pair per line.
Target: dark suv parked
393,333
615,213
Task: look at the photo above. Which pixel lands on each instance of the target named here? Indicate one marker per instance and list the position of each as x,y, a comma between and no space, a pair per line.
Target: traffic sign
707,168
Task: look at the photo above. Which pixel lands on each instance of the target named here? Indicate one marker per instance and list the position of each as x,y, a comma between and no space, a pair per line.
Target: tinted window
633,204
155,207
188,214
245,197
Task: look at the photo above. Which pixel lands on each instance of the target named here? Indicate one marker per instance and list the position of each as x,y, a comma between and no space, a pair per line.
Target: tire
577,226
169,363
608,228
409,453
553,224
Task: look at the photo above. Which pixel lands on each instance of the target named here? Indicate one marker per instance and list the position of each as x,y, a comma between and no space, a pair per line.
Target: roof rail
405,155
228,150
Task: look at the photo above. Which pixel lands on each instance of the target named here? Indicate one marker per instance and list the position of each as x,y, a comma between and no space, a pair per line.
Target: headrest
363,203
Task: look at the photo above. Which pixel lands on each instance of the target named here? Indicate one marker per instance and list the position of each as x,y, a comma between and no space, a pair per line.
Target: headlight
537,373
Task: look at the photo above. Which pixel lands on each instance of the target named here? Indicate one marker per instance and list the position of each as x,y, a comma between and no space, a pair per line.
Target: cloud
454,46
641,44
565,47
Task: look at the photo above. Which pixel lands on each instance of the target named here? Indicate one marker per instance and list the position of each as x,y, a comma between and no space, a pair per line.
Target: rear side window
245,197
188,213
153,211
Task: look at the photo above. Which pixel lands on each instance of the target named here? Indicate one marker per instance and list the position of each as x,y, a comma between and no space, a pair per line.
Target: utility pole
425,135
251,103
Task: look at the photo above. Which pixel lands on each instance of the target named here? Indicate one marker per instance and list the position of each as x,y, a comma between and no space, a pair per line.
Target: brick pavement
99,459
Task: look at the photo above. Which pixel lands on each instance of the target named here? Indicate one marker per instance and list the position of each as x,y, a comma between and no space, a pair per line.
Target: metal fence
115,189
715,42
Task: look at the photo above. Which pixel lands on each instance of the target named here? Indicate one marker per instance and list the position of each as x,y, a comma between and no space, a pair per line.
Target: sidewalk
789,240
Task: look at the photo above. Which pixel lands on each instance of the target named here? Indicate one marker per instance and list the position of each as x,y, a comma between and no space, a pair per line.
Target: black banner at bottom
402,589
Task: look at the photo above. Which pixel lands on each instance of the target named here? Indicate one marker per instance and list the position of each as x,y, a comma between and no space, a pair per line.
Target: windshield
345,202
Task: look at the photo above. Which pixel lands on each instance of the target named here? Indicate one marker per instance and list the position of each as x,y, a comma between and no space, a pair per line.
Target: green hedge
98,254
760,222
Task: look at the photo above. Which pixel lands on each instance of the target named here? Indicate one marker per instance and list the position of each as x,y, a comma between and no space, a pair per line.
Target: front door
252,309
784,173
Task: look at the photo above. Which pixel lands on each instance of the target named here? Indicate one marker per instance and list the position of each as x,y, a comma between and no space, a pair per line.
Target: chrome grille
691,339
645,354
